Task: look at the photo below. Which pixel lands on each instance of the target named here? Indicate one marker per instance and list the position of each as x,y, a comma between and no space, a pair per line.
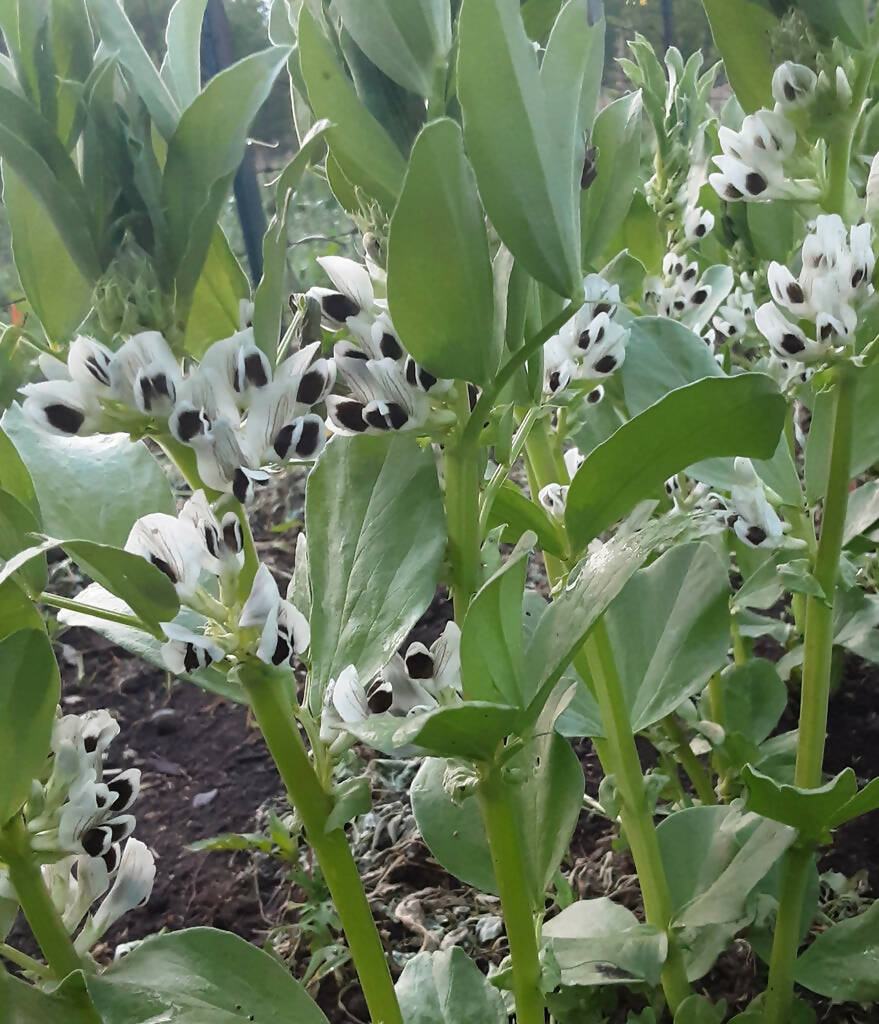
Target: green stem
689,762
274,714
462,515
22,960
619,757
40,911
55,601
841,137
505,845
815,692
185,460
502,472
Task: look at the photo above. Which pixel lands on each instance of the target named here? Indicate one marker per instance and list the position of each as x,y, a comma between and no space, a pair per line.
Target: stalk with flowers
557,354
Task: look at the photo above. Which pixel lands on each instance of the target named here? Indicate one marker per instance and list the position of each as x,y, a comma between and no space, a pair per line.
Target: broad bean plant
606,370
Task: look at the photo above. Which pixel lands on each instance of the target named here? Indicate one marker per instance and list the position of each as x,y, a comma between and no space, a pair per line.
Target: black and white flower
131,888
283,629
173,545
793,85
750,514
697,224
145,375
187,651
379,400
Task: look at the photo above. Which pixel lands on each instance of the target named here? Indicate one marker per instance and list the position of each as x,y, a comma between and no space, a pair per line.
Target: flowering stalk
41,914
272,709
815,693
619,755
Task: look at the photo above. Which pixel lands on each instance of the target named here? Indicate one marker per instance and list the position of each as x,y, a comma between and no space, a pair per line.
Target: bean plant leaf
598,942
844,19
518,514
446,987
28,1004
715,416
754,699
203,154
492,659
376,536
862,512
214,312
181,68
30,689
440,287
604,205
523,132
17,526
89,487
472,730
406,39
743,33
547,797
361,147
196,975
17,611
842,963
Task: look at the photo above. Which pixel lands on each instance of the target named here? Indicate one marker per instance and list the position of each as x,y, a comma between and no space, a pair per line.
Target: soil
206,771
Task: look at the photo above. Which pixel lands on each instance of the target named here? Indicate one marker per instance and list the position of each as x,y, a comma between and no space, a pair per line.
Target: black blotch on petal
755,183
188,425
585,340
419,665
339,307
756,535
124,791
355,353
232,537
282,651
700,230
412,373
191,660
97,370
595,396
96,841
380,700
63,417
790,93
390,347
791,344
90,743
732,192
554,380
375,419
426,380
606,364
397,415
309,438
283,440
255,371
795,293
350,415
111,858
310,387
699,296
119,830
163,566
240,485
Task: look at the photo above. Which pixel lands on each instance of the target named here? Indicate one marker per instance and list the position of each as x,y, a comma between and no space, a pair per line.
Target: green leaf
512,509
145,589
491,637
30,688
743,33
754,699
203,154
446,987
865,441
680,603
360,145
472,730
843,19
268,300
862,513
604,205
598,942
700,1010
528,161
16,611
715,416
28,1004
406,39
14,477
17,524
375,526
119,37
214,312
55,287
440,287
232,841
772,228
143,645
843,961
812,811
663,355
547,795
196,975
181,68
351,798
91,487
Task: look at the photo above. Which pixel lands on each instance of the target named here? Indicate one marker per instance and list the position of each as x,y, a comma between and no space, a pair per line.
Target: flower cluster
758,159
836,275
196,544
79,823
592,344
386,389
554,496
232,409
420,680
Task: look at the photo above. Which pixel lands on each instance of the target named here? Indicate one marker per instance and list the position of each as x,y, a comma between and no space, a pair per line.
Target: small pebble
489,927
203,799
165,720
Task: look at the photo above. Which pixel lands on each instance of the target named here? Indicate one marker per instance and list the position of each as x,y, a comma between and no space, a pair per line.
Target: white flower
222,543
352,301
793,85
61,407
754,520
382,400
131,888
438,667
186,651
89,364
553,497
239,362
697,223
284,630
144,374
173,545
574,459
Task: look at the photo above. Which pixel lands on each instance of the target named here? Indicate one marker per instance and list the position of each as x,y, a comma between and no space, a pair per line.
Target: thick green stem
619,757
274,714
462,515
55,601
689,762
44,919
815,692
505,845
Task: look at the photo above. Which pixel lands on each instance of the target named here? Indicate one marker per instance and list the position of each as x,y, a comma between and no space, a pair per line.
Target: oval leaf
440,286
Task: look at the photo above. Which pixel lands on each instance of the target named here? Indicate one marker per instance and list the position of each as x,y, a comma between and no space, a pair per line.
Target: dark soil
190,744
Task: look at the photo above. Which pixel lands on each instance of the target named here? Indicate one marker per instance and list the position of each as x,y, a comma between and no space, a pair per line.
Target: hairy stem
815,692
40,911
274,714
505,846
